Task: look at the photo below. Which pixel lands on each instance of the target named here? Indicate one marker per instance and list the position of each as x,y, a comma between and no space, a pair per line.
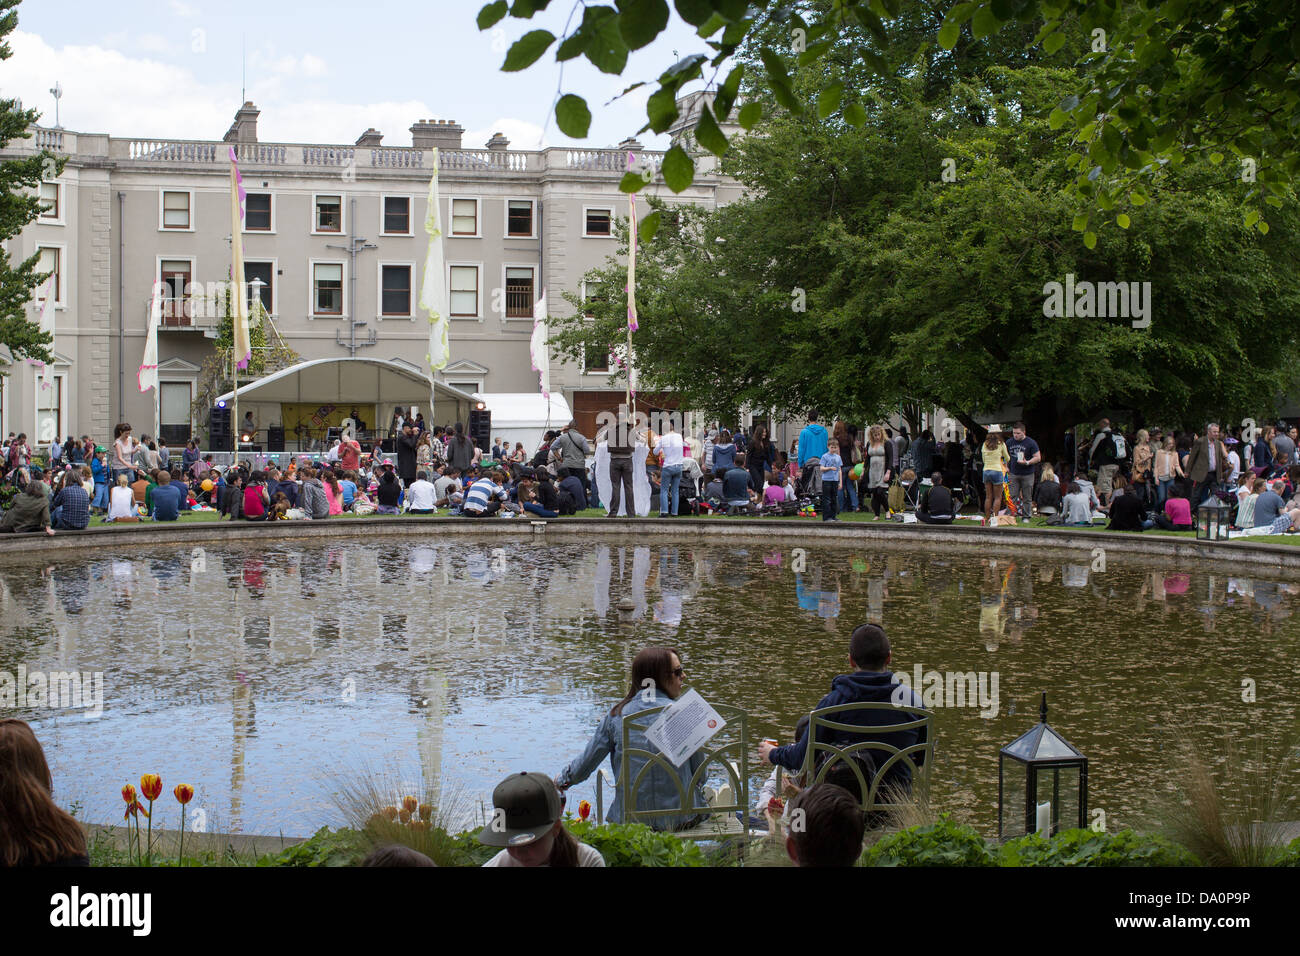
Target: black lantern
1212,520
1055,782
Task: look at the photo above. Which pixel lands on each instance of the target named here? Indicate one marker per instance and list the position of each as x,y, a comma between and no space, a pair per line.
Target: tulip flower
151,787
128,794
410,804
426,812
389,812
584,809
405,815
184,793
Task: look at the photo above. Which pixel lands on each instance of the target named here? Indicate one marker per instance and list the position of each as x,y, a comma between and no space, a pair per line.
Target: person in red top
350,454
256,498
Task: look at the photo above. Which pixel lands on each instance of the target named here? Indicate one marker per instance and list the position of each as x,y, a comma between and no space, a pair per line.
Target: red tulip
151,786
184,793
128,794
410,804
584,809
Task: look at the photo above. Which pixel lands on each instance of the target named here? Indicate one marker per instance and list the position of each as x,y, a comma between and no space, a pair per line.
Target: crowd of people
1134,480
528,819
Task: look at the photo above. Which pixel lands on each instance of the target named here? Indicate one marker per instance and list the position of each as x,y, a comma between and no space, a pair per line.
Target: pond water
269,677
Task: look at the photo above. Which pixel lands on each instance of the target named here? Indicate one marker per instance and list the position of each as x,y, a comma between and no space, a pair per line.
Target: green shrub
635,844
1290,856
943,843
325,847
1091,848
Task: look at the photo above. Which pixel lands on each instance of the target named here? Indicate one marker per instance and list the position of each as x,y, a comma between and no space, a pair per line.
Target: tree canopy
1159,82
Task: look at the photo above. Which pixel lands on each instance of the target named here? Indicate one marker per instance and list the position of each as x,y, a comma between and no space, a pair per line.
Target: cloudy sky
320,72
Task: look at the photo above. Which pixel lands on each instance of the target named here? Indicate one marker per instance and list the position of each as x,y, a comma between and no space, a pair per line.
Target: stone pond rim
1284,558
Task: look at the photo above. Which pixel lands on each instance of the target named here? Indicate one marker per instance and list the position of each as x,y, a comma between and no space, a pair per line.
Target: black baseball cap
526,806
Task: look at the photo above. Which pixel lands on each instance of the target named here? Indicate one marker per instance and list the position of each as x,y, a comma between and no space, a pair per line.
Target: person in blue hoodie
812,445
870,682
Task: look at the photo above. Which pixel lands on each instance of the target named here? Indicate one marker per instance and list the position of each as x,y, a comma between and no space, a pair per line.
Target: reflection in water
262,676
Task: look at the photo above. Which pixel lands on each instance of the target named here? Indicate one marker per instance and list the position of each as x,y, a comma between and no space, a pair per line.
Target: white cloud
182,9
521,133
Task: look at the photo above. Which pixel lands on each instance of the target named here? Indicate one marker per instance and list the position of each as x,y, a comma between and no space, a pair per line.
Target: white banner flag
148,376
537,347
433,292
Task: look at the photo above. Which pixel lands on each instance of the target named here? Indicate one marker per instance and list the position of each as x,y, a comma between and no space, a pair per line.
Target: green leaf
1216,158
1054,43
572,46
1122,220
1252,217
648,227
525,51
1069,103
855,115
779,81
1262,226
1056,119
749,115
572,116
985,22
631,183
640,21
726,95
948,34
1080,222
606,49
678,169
828,101
711,26
1090,240
491,14
1138,199
661,108
707,133
694,12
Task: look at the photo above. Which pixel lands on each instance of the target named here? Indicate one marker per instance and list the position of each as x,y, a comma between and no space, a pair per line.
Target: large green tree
1161,81
906,260
20,205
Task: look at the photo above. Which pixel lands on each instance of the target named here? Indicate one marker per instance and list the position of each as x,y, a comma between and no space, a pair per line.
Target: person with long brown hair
34,830
879,469
657,675
994,453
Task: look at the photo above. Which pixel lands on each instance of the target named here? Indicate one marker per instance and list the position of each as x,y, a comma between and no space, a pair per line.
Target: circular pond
270,676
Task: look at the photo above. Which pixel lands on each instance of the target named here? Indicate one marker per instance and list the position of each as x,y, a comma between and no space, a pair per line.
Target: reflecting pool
264,676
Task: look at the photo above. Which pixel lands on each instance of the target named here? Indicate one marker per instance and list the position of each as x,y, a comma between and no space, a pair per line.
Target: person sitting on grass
1076,509
1126,510
280,506
34,830
486,496
1252,487
528,822
831,830
1047,493
738,485
168,498
1271,511
70,509
121,504
30,510
1178,510
936,505
528,500
421,495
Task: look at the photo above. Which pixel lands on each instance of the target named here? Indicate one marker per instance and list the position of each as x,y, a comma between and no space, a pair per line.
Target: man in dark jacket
870,682
30,511
1207,464
406,444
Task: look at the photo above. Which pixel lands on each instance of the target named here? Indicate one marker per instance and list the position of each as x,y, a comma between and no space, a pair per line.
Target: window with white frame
464,292
395,287
464,217
327,213
49,408
519,218
598,221
177,276
259,213
51,261
174,418
327,288
51,207
519,292
397,216
177,211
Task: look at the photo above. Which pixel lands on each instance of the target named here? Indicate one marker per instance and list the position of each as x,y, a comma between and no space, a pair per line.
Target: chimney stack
244,128
498,141
371,137
443,134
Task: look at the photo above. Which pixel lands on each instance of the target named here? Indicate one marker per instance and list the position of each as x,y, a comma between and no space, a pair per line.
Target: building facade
335,235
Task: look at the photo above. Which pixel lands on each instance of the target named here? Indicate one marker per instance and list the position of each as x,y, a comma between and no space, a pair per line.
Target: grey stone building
335,234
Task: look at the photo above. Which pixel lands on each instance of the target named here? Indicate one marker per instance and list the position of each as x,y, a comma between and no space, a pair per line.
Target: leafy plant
635,844
943,843
326,847
1091,848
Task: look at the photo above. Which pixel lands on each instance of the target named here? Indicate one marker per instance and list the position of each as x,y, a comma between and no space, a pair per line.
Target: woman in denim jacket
656,682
